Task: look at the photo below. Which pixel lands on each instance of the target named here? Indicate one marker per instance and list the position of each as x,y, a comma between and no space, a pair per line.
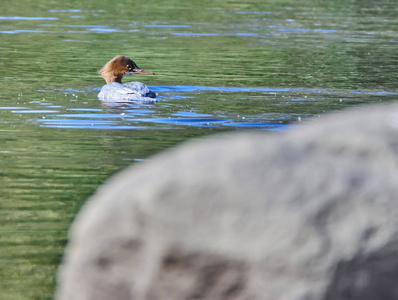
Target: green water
220,66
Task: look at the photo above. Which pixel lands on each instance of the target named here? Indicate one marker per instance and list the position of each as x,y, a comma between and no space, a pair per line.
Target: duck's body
115,90
129,92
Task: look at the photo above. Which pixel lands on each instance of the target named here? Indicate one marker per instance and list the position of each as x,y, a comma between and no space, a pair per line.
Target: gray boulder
302,215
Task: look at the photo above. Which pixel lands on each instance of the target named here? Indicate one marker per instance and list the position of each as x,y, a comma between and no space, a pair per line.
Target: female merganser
115,90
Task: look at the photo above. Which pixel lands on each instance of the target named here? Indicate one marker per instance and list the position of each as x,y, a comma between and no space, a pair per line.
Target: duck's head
120,66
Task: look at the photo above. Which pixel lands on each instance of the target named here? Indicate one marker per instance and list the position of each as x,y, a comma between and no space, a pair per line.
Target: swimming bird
115,91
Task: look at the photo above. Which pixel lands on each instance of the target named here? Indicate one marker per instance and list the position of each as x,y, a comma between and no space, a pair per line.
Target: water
225,66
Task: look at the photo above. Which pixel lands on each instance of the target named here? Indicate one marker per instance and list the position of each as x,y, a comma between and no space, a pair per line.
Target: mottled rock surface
302,215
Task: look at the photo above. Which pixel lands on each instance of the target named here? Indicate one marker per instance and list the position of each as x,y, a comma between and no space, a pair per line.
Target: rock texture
307,214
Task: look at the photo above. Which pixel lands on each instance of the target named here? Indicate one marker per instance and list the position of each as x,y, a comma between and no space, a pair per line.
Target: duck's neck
113,78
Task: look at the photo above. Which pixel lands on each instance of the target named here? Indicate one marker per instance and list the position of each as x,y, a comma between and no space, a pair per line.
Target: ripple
194,34
165,116
246,12
65,10
193,88
85,124
184,121
85,109
166,26
27,18
13,108
189,88
104,30
274,126
189,114
26,31
34,111
75,10
94,116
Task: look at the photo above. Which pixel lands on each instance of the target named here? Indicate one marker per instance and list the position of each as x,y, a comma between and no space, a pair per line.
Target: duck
115,91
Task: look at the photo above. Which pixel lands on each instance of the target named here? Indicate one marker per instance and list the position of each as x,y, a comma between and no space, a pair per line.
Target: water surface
221,67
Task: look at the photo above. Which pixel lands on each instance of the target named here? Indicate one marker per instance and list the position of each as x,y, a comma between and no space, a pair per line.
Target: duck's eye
128,66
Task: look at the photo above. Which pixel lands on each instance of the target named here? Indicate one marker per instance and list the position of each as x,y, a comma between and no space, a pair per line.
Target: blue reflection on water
34,111
65,10
27,18
74,10
188,88
166,26
85,124
149,116
194,34
12,108
93,116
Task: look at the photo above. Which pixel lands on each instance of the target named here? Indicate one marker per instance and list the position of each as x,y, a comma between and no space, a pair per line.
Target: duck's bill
142,72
